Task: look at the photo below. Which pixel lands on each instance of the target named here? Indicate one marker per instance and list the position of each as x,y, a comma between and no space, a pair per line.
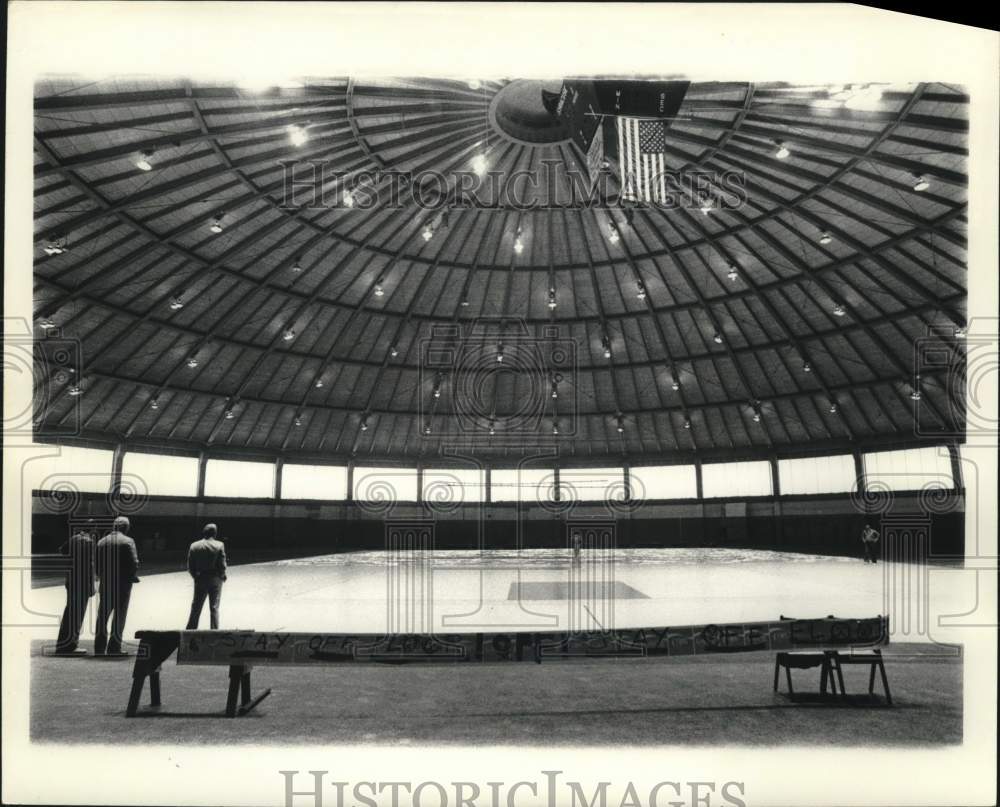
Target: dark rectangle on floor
564,590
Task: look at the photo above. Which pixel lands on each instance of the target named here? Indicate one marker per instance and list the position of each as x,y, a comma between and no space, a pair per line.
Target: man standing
117,567
869,538
79,590
207,565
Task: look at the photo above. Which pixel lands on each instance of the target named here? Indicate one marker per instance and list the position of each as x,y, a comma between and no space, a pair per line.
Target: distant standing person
207,566
118,569
869,538
79,589
577,546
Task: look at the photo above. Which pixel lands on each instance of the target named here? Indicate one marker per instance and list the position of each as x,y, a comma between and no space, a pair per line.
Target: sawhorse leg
154,648
239,686
237,675
138,681
245,688
154,688
885,678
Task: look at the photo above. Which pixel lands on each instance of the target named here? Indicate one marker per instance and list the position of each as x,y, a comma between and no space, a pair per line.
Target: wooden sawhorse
155,647
872,659
805,661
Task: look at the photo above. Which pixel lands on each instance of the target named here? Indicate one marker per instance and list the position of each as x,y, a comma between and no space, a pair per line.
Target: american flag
640,159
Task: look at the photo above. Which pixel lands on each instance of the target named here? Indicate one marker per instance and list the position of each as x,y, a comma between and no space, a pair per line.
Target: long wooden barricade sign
253,647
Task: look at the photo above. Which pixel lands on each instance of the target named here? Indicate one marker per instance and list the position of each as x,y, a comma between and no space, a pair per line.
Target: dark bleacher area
259,530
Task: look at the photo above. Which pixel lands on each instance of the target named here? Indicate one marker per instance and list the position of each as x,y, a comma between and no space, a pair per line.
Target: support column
958,478
777,521
202,466
116,469
859,473
279,467
350,481
699,489
488,483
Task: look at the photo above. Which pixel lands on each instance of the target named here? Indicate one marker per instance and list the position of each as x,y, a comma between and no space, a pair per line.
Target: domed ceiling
392,269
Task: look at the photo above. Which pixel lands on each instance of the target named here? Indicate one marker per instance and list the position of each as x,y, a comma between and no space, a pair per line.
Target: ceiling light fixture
474,84
620,425
806,367
492,428
675,384
393,352
427,429
839,310
364,425
154,404
555,389
706,207
641,293
733,274
298,420
378,291
499,354
176,303
717,338
319,383
606,343
143,161
46,324
863,97
298,135
613,235
782,152
56,246
687,424
825,238
75,391
479,164
288,335
555,428
960,332
921,184
833,407
428,232
518,243
297,266
230,414
552,299
348,199
915,389
216,225
192,362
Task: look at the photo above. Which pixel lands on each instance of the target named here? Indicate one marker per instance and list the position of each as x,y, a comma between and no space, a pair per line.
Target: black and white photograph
499,405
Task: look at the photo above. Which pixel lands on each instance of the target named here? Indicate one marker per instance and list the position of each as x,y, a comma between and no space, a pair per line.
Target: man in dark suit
79,590
117,568
869,539
207,566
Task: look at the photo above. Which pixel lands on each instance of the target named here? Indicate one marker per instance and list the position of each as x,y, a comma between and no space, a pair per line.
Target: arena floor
706,700
462,591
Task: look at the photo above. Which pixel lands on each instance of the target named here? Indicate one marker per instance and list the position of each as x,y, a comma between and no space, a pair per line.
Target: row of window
89,470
